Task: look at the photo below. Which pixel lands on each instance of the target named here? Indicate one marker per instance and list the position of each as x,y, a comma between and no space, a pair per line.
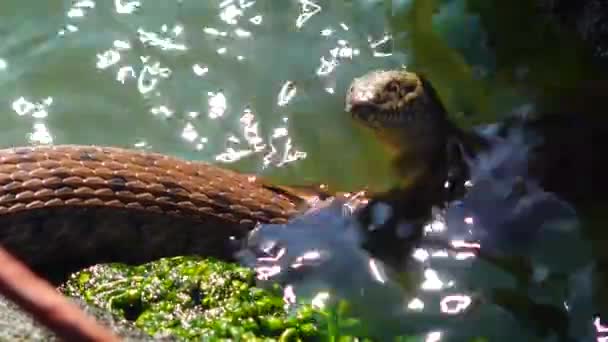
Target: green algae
196,298
192,298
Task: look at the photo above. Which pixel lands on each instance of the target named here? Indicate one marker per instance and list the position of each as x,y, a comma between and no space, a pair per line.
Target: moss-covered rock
192,299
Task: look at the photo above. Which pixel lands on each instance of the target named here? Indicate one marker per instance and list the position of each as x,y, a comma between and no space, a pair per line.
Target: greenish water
204,80
257,86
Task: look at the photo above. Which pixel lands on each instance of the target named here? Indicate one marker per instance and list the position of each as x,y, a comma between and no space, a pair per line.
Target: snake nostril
392,86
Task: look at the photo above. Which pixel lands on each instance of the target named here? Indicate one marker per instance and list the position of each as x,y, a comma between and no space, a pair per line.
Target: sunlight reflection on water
459,275
223,81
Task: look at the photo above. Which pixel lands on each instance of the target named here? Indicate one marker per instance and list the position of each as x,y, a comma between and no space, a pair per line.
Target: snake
72,206
75,205
404,110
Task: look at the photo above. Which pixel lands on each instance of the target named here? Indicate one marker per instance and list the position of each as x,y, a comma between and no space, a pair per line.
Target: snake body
73,205
76,205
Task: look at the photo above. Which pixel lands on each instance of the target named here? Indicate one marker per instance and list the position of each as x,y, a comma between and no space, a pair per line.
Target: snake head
399,106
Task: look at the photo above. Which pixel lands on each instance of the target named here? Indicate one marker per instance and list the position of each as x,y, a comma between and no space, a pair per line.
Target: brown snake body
83,204
73,205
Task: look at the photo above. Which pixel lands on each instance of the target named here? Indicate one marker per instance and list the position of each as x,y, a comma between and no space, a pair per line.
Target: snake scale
74,205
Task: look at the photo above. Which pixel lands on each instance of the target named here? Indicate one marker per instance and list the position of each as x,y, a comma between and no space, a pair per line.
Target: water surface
257,86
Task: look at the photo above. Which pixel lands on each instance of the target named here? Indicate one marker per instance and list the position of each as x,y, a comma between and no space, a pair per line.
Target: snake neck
461,146
438,171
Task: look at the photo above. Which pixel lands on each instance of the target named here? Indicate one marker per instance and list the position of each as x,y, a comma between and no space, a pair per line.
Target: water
256,86
490,264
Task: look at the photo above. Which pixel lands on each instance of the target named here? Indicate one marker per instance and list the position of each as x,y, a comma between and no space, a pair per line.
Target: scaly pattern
89,204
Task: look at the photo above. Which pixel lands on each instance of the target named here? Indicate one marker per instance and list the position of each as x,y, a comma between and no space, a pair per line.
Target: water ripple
307,10
165,40
126,7
35,109
201,73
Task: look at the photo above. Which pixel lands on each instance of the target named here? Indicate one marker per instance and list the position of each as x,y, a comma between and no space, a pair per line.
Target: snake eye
392,86
410,88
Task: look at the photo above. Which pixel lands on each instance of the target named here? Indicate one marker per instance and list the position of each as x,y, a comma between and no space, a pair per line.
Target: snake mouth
364,112
373,116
